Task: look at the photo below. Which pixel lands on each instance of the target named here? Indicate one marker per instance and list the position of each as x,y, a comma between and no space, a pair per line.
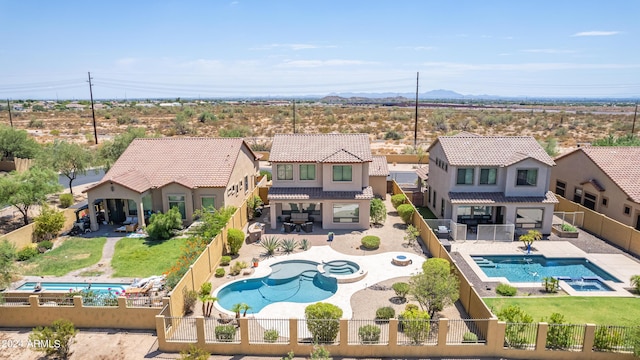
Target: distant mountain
433,94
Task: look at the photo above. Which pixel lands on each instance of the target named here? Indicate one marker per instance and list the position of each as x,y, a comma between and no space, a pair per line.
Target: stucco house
326,176
189,173
602,178
476,180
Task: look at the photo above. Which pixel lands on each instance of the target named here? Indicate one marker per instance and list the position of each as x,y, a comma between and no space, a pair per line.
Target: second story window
285,171
527,177
342,173
488,176
307,172
465,176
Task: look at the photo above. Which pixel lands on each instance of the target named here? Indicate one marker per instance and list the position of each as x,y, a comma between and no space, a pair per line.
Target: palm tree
245,308
207,303
236,308
635,281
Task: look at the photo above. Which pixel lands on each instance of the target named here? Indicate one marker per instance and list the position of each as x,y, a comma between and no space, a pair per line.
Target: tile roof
620,163
192,162
474,150
378,166
498,197
308,193
423,172
328,148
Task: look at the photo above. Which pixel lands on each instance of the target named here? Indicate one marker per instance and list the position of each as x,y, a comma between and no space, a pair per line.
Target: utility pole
11,120
93,112
415,128
294,116
635,113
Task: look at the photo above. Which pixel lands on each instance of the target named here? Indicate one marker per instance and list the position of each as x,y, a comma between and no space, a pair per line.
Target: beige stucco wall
356,183
23,236
576,168
379,185
542,185
327,215
217,193
177,189
245,165
296,182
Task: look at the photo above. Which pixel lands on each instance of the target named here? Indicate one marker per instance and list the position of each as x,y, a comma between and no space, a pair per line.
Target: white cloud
321,63
549,51
461,67
234,3
294,47
596,33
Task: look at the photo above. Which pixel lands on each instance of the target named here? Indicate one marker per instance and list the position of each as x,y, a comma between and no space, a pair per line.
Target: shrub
304,244
54,132
385,313
401,289
288,245
266,173
320,353
162,226
220,272
225,333
406,212
411,234
271,336
205,289
225,260
397,200
253,203
235,238
194,353
377,211
370,242
190,297
48,224
568,228
469,337
550,284
323,321
635,281
27,253
66,200
270,244
415,324
517,322
237,267
608,338
8,254
54,340
45,245
393,135
369,334
558,336
506,290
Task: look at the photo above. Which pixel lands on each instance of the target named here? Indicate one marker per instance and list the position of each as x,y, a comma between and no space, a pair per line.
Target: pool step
484,263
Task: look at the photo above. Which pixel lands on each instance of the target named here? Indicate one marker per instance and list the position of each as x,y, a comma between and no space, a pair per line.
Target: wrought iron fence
417,332
221,330
520,336
144,301
614,338
467,331
368,332
320,331
14,301
55,301
271,331
180,328
565,337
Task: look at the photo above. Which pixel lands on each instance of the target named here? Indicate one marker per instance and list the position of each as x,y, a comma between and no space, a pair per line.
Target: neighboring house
378,173
324,175
189,173
476,179
602,178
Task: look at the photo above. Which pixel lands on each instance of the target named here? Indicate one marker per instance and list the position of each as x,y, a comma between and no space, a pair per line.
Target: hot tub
401,260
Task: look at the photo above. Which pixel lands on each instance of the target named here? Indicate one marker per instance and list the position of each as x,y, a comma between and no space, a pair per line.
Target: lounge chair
140,290
226,319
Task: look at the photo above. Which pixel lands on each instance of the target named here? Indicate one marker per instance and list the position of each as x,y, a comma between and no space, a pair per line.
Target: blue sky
273,48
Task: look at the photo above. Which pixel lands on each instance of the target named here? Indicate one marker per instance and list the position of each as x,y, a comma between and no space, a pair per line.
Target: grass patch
576,309
425,212
73,254
91,273
135,257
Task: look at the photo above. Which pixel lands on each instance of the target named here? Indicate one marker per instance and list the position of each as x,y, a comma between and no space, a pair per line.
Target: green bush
162,226
190,297
393,135
237,267
506,290
60,335
270,336
48,224
568,228
558,336
517,323
266,173
635,282
323,321
415,324
608,338
369,334
66,200
469,337
377,211
401,289
370,242
220,272
235,239
45,245
194,353
225,260
385,313
27,253
397,200
406,212
225,333
8,255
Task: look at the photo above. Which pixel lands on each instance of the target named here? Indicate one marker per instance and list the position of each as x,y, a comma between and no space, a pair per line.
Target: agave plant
270,244
289,245
304,244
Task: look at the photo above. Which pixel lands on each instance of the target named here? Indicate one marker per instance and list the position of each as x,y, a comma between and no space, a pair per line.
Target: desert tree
16,144
436,287
26,189
110,151
68,159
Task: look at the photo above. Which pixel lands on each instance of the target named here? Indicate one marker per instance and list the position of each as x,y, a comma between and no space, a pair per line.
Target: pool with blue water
292,281
533,268
102,288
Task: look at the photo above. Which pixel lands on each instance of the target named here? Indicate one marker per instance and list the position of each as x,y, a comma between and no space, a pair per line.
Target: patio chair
226,319
294,207
311,208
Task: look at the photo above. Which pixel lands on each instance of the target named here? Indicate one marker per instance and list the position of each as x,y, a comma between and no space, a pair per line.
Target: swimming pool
292,280
340,267
102,288
533,268
586,284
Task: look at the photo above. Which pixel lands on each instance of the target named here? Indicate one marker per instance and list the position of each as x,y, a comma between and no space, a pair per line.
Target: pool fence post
33,301
589,338
77,301
541,337
393,333
244,331
293,332
200,337
443,329
344,333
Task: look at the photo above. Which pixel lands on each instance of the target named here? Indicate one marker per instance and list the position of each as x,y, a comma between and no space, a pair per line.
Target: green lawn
73,254
426,213
577,309
135,257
